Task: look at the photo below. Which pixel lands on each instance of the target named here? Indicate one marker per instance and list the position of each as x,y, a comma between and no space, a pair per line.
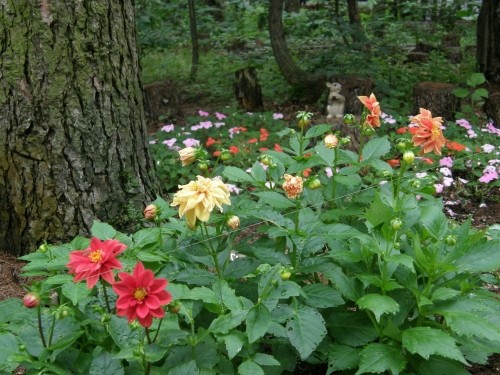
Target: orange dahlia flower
141,296
373,106
428,136
198,198
96,261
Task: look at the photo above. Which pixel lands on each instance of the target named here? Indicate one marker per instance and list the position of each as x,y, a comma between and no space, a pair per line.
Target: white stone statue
336,101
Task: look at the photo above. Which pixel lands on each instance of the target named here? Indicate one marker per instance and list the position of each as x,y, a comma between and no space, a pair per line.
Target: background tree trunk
73,143
488,40
308,87
195,48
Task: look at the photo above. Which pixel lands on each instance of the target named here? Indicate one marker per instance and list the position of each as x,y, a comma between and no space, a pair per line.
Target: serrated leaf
427,341
265,359
379,358
224,323
375,148
101,230
274,199
439,365
306,330
8,346
257,322
75,291
342,357
322,296
104,363
258,172
236,174
472,325
378,304
480,258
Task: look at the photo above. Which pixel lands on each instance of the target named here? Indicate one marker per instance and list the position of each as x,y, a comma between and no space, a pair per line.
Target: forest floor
13,285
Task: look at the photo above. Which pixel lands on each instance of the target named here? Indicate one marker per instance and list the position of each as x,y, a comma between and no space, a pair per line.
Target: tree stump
162,99
352,87
437,97
247,90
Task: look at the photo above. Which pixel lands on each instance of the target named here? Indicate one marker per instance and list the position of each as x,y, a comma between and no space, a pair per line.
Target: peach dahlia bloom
293,186
198,198
141,296
98,260
429,135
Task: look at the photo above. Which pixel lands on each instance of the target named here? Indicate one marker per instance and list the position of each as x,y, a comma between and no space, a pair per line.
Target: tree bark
195,48
309,87
488,40
73,144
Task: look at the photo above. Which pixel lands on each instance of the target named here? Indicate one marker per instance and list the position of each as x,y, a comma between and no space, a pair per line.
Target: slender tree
195,48
73,142
488,40
309,87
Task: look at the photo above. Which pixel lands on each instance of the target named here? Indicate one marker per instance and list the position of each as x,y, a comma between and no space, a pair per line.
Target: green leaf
439,365
224,323
258,172
240,267
480,258
9,309
234,343
104,363
379,358
326,154
274,199
375,149
472,325
476,79
322,296
103,231
342,357
460,92
306,330
188,368
434,221
236,174
257,322
443,294
75,291
121,333
479,94
8,346
427,341
58,279
273,217
249,367
265,359
378,304
147,236
317,130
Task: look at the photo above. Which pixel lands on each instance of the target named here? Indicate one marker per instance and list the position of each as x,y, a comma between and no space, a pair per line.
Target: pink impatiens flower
98,260
141,296
168,128
446,162
489,174
277,116
203,113
191,142
220,116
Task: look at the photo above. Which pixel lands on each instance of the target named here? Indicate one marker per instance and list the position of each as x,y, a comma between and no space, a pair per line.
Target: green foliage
357,274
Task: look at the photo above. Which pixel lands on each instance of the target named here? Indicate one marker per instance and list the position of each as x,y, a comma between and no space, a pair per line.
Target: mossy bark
73,144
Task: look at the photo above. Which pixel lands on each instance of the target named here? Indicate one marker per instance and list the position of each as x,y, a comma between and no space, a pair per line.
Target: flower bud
304,123
188,155
401,146
43,248
31,300
331,141
203,166
415,184
345,140
409,157
396,224
225,155
451,240
314,183
233,222
349,119
174,307
285,275
266,159
150,212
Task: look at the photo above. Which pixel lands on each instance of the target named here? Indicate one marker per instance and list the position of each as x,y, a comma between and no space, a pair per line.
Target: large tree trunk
73,143
308,87
488,40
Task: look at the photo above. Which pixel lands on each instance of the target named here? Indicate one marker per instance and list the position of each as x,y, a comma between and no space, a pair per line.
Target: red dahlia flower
96,261
141,296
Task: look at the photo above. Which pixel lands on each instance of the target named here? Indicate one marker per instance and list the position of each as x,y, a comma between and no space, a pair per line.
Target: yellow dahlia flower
198,198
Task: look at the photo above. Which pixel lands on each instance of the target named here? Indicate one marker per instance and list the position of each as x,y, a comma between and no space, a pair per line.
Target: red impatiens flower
234,150
263,134
210,141
402,130
252,140
455,146
277,148
96,261
393,162
141,296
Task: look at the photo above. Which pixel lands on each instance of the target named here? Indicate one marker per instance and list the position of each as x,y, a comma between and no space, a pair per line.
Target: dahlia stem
334,172
213,252
106,297
158,330
40,328
148,336
51,330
